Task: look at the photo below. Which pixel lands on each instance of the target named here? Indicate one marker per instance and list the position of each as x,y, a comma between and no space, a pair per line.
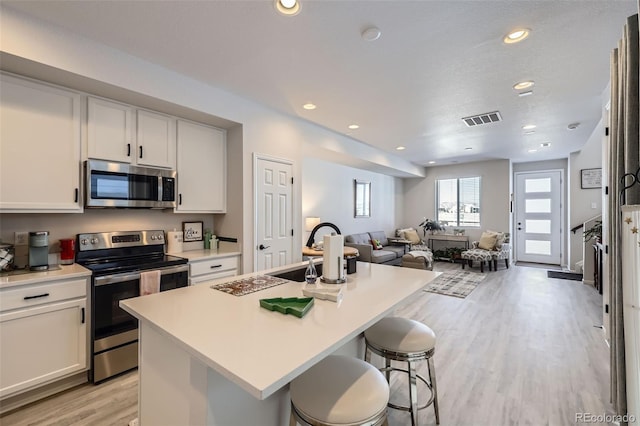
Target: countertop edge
66,272
200,255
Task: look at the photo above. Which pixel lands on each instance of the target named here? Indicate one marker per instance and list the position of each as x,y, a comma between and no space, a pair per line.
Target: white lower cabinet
212,268
42,336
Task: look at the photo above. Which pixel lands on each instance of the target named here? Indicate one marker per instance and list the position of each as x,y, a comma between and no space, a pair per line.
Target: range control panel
120,239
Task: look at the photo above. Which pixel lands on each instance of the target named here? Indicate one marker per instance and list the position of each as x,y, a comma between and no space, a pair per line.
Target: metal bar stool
339,391
402,339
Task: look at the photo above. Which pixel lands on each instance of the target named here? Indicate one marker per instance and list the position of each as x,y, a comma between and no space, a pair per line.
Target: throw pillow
412,235
377,245
500,240
400,232
488,241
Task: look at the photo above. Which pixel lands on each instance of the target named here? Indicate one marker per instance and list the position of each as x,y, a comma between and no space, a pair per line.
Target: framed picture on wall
590,178
192,231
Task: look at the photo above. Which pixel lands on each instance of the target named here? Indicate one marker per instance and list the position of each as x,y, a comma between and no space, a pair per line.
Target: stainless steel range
116,260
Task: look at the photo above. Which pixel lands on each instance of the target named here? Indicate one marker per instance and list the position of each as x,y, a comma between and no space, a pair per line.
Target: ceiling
434,63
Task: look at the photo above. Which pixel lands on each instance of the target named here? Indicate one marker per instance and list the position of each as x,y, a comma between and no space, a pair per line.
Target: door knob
262,247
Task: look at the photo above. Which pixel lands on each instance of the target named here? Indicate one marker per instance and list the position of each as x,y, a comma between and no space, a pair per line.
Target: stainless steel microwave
111,184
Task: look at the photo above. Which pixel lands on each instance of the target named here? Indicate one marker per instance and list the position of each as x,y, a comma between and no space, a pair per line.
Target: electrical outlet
21,238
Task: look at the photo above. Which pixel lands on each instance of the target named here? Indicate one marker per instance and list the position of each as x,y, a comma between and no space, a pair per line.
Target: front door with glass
539,217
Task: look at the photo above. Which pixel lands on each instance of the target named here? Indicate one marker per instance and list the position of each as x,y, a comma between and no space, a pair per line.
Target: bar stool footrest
418,376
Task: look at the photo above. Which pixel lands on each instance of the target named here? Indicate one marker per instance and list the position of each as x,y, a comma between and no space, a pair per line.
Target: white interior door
539,217
274,211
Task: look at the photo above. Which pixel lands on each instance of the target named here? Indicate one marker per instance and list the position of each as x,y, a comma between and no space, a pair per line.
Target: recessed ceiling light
353,126
468,148
309,106
573,126
523,85
532,150
527,93
529,132
432,162
288,7
545,144
516,36
371,34
528,127
400,148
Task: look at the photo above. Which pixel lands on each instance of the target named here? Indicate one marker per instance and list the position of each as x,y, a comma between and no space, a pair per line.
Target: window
458,201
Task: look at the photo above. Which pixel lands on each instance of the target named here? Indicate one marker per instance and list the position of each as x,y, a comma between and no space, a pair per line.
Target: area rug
457,284
564,275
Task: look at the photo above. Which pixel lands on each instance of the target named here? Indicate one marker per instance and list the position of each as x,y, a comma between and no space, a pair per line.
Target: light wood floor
521,349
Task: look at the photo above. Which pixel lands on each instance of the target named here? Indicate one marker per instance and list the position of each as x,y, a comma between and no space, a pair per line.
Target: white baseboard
17,401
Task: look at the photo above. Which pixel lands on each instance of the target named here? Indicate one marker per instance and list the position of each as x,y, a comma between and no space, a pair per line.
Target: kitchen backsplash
66,225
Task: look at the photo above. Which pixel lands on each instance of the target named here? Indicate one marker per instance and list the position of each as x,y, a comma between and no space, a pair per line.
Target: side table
348,251
448,239
400,241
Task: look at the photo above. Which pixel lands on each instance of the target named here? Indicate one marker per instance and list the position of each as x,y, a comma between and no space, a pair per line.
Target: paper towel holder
315,229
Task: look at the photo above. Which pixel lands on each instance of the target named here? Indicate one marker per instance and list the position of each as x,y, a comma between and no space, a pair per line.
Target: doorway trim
563,218
256,157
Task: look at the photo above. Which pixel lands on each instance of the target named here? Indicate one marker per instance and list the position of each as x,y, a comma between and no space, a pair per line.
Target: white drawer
38,294
213,265
214,276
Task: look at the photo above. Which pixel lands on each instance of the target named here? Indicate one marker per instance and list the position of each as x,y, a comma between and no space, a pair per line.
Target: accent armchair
493,246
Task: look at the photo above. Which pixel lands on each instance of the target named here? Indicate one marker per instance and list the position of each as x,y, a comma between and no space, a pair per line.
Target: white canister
174,241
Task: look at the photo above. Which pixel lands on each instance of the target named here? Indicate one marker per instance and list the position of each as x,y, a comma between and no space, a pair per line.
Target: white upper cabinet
39,148
111,135
109,130
202,168
156,140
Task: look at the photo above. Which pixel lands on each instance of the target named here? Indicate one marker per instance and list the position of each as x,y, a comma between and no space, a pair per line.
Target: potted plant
431,226
595,232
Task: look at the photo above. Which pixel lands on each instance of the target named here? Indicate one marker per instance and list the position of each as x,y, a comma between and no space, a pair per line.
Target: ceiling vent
480,119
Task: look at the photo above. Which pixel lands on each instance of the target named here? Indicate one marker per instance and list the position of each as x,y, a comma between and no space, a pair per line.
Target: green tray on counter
297,306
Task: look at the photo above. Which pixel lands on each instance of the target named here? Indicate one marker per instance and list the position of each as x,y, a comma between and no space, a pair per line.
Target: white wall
419,195
264,131
584,203
327,192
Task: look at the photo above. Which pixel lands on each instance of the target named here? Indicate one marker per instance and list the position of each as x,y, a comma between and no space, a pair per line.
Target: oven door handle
118,278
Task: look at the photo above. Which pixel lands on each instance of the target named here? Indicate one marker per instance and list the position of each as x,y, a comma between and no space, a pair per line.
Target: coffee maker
39,250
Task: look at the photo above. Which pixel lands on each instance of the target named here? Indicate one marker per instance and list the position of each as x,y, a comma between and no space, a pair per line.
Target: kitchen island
208,357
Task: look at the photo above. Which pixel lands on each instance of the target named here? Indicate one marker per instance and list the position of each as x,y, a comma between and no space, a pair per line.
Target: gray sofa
389,255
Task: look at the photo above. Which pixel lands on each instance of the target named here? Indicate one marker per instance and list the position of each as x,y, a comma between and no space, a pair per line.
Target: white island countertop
260,350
